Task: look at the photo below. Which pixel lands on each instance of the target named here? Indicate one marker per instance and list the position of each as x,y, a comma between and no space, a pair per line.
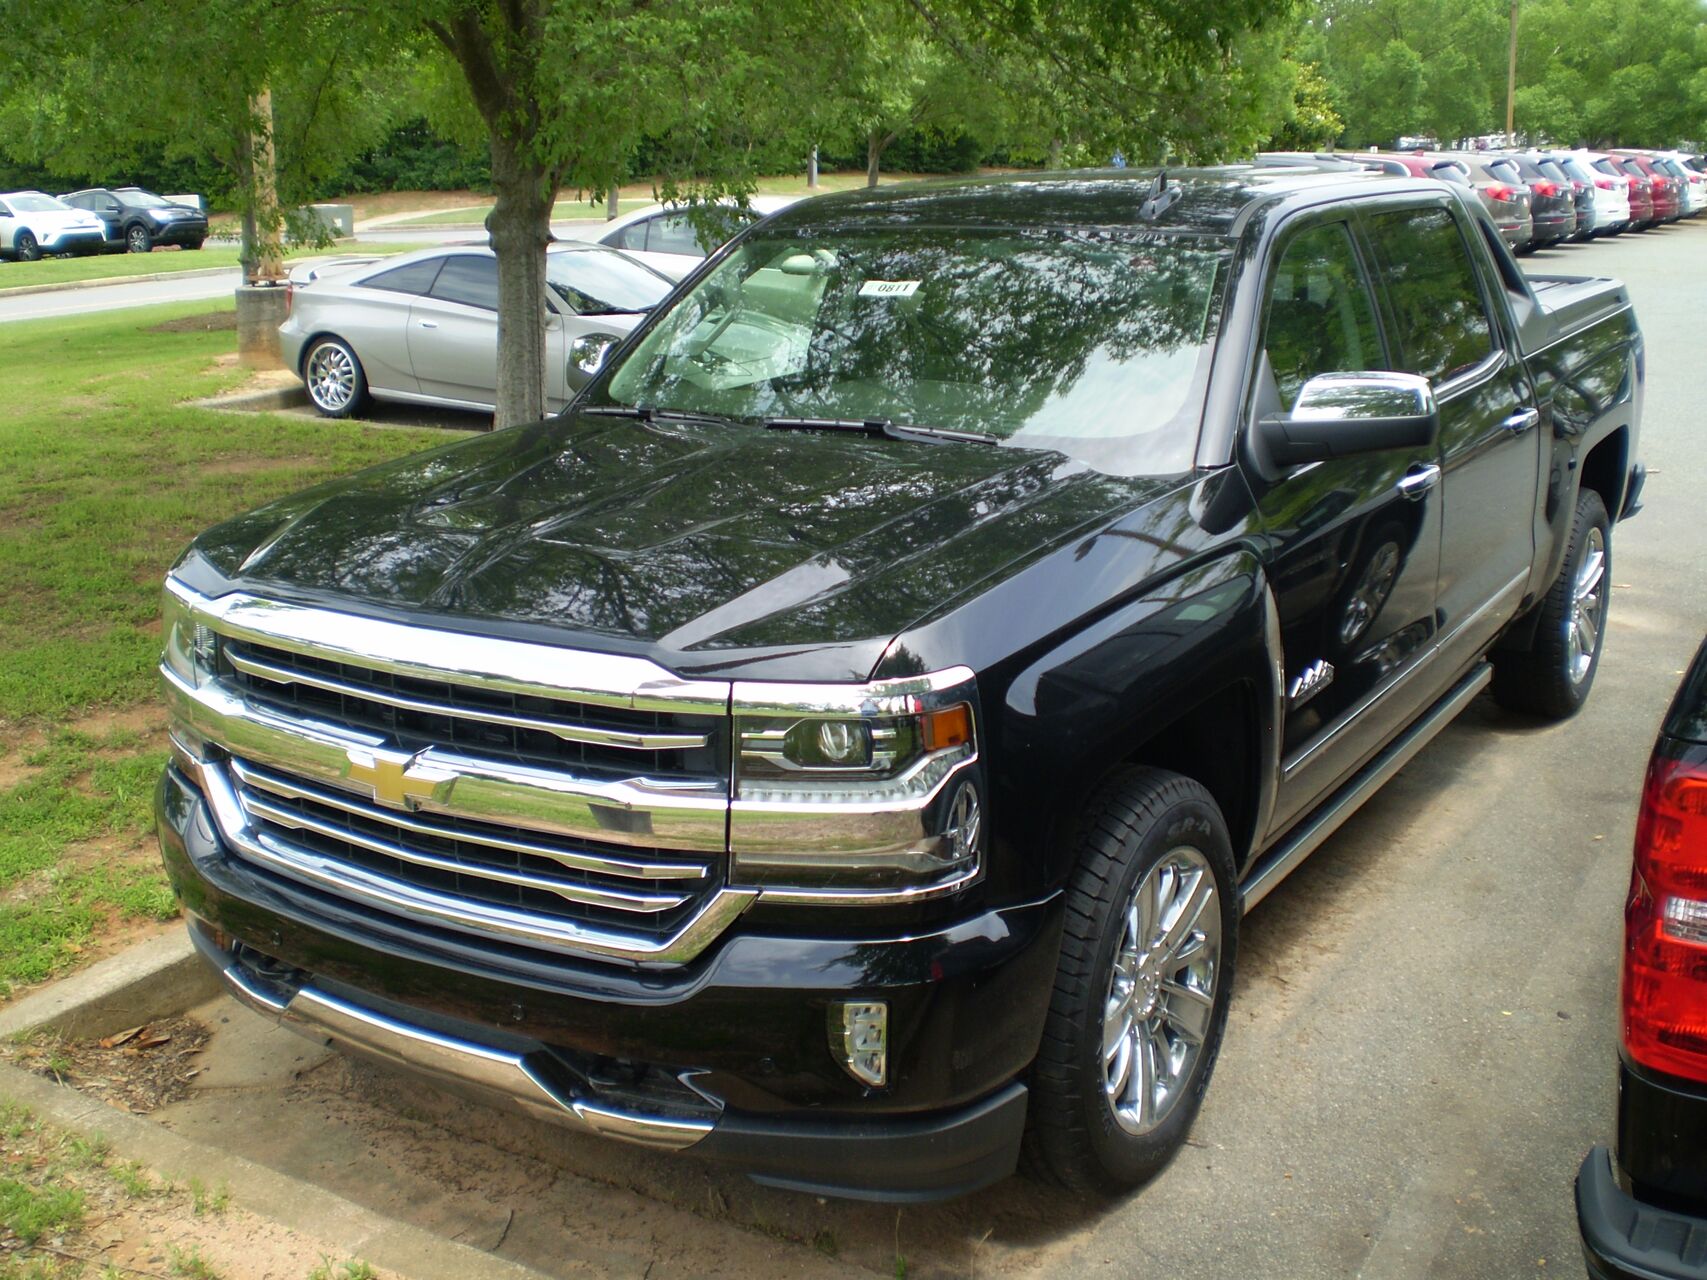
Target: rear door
1356,541
1449,328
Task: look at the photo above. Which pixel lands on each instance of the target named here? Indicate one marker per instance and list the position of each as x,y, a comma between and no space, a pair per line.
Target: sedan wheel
334,379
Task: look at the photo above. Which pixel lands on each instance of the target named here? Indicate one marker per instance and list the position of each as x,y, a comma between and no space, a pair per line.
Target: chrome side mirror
1340,414
587,356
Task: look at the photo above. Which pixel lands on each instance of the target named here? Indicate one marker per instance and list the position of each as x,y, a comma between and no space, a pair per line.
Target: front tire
25,248
138,240
1552,677
333,376
1141,994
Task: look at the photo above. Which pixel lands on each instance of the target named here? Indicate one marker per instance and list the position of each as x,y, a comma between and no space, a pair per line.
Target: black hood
674,540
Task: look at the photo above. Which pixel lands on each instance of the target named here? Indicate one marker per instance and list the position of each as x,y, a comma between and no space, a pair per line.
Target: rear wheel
1141,994
1552,677
25,248
334,378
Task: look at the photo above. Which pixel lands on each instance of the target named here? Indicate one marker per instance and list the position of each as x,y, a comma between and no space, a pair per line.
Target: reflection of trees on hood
1010,321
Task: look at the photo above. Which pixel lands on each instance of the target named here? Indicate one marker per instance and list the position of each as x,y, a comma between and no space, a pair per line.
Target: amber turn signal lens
950,727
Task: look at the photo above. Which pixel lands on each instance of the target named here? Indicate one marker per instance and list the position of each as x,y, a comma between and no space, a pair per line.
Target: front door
1355,541
453,331
1489,429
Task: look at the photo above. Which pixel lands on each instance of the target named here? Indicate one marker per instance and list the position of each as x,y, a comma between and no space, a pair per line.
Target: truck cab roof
1213,201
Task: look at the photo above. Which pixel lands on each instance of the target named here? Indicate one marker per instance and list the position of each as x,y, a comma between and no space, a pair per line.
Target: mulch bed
139,1069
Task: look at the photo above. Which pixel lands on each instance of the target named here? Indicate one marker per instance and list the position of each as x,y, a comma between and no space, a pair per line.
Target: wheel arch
1154,684
1605,468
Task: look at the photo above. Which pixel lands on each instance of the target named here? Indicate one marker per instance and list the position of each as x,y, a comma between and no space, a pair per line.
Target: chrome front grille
500,724
547,798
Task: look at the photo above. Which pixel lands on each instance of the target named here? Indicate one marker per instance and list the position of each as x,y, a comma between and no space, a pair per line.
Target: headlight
165,215
857,793
191,648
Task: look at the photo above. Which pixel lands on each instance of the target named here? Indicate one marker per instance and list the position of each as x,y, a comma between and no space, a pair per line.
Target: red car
1667,197
1641,191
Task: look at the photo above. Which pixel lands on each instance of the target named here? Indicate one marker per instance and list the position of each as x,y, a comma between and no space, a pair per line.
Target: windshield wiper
881,427
645,413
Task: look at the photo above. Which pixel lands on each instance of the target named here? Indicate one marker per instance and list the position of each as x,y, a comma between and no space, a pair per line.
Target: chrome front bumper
496,1074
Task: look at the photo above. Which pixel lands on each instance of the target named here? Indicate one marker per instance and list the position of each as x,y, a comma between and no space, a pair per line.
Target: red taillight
1544,188
1658,184
1605,184
1499,191
1665,923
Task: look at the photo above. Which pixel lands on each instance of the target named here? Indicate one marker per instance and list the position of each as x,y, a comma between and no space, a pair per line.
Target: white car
33,223
1611,192
422,327
664,237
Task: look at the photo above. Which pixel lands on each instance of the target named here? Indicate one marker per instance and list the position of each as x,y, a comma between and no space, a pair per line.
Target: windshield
600,283
140,199
1090,341
37,204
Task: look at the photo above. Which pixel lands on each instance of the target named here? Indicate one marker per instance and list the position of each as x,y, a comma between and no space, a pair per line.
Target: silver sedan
422,328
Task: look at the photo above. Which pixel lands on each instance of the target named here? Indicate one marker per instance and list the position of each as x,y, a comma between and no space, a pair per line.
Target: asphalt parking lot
1422,1039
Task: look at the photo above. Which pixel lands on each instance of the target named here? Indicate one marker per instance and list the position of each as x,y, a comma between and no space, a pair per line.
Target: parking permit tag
889,288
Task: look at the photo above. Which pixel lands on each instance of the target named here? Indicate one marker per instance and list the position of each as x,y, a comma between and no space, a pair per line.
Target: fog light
859,1037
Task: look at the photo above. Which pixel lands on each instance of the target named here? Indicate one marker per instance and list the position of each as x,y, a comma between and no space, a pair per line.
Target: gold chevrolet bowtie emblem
392,778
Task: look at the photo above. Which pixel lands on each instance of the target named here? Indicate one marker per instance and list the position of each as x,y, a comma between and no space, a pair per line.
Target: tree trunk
269,253
520,227
876,143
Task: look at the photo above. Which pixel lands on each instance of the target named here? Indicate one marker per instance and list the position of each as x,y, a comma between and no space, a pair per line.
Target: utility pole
1511,77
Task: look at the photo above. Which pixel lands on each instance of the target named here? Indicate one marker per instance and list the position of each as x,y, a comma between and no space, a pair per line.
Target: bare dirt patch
208,322
139,1069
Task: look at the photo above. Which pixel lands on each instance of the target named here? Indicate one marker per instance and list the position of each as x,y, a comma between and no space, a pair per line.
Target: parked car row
34,224
1544,197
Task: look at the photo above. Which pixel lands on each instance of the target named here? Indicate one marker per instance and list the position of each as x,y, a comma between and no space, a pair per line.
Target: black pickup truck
844,743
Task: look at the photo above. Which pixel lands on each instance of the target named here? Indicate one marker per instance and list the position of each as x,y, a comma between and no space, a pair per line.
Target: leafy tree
88,87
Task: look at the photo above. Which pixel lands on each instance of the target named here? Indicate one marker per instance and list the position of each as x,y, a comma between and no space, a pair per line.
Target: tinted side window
468,280
1320,316
1442,322
673,233
414,277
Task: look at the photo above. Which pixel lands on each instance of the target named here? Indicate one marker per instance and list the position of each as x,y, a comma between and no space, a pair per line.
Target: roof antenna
1160,198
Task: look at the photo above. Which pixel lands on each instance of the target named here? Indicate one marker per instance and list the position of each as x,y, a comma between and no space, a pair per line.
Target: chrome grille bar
489,662
579,860
252,666
588,895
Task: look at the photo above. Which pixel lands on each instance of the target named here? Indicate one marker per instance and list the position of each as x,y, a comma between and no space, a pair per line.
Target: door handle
1522,420
429,324
1414,484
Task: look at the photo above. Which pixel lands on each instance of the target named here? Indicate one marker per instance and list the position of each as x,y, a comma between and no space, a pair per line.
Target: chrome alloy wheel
1588,607
331,377
1161,991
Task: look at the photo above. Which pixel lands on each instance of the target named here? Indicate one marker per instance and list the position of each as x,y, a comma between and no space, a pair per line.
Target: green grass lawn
19,275
106,477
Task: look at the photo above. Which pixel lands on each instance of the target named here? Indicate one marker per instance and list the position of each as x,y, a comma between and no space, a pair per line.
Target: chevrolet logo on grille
393,777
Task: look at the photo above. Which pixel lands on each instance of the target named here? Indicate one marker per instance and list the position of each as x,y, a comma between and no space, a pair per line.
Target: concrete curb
301,1206
256,401
158,979
23,291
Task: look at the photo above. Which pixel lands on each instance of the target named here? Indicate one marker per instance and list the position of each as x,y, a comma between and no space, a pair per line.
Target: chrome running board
1277,863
